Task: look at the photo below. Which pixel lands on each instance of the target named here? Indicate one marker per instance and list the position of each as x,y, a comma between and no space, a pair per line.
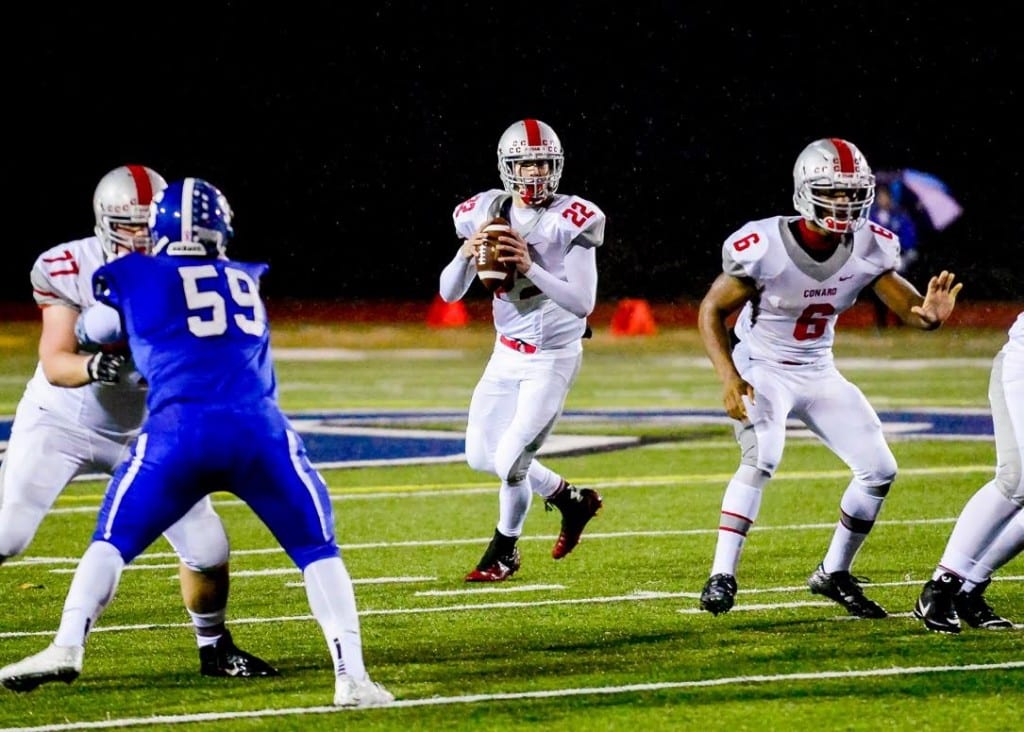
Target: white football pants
45,453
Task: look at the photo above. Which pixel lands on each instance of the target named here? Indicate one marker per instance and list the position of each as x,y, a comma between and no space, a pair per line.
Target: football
493,274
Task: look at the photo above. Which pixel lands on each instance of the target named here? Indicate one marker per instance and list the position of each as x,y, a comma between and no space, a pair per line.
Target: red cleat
498,571
578,506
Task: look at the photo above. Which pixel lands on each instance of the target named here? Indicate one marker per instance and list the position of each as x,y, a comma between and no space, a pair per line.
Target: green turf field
609,638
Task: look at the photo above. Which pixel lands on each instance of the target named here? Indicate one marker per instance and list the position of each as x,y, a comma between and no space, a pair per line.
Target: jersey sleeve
476,210
744,250
883,248
54,276
586,221
256,270
105,283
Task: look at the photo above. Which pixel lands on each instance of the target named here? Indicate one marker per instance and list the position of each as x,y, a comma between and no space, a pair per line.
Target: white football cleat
54,663
366,693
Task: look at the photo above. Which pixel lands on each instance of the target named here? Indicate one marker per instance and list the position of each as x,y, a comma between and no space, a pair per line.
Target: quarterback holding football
540,318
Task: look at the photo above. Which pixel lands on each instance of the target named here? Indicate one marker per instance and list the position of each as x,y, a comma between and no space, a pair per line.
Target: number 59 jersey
799,299
197,327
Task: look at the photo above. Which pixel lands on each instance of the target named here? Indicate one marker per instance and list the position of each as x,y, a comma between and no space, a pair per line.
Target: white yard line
674,481
653,686
141,563
638,596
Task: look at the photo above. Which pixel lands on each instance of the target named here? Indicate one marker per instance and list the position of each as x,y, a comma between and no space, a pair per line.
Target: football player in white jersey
80,411
792,276
540,322
990,529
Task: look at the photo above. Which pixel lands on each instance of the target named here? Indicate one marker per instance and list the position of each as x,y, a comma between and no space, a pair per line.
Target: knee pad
1009,479
477,456
18,525
879,472
878,480
752,476
755,455
876,491
200,541
513,472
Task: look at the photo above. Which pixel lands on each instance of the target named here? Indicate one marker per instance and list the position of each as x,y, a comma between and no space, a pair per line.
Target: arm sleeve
456,277
577,293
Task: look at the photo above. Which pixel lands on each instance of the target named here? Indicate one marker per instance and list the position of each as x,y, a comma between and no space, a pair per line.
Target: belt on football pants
518,345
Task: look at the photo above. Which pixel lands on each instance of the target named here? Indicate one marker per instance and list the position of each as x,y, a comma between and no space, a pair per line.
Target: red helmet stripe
142,184
532,132
845,155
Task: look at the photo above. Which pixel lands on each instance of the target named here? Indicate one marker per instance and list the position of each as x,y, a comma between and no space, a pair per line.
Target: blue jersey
198,333
196,327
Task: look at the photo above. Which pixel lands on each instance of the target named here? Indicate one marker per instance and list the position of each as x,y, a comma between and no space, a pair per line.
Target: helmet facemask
525,142
122,235
533,189
839,208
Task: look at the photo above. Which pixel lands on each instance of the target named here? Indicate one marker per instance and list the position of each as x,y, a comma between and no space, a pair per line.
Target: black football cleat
844,588
974,610
719,594
936,607
226,659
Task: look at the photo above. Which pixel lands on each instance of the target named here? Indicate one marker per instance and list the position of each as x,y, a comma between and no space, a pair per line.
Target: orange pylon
447,314
633,317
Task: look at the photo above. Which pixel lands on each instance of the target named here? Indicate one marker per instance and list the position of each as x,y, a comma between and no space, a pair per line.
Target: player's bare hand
732,397
515,249
939,300
472,244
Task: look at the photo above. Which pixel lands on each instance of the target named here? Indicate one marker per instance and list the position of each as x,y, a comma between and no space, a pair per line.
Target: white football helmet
530,139
833,185
122,199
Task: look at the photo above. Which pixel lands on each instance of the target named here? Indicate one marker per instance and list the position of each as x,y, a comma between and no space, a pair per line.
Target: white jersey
524,312
1016,342
62,276
793,319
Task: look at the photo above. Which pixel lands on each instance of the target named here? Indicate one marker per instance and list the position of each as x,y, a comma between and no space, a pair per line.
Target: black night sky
343,137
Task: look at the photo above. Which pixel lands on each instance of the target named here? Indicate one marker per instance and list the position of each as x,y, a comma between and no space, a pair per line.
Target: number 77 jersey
799,299
196,327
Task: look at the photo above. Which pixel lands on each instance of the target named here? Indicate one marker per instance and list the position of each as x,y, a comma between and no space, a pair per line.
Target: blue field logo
351,439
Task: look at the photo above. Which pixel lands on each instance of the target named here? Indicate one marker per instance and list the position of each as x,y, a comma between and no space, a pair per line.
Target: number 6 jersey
799,299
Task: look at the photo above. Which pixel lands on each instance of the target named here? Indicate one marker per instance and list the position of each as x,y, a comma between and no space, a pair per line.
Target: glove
104,367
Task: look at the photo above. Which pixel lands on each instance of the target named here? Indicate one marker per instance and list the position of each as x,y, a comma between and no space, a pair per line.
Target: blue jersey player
198,333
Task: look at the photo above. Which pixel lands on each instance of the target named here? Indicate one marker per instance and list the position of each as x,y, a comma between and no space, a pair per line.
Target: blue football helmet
191,218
